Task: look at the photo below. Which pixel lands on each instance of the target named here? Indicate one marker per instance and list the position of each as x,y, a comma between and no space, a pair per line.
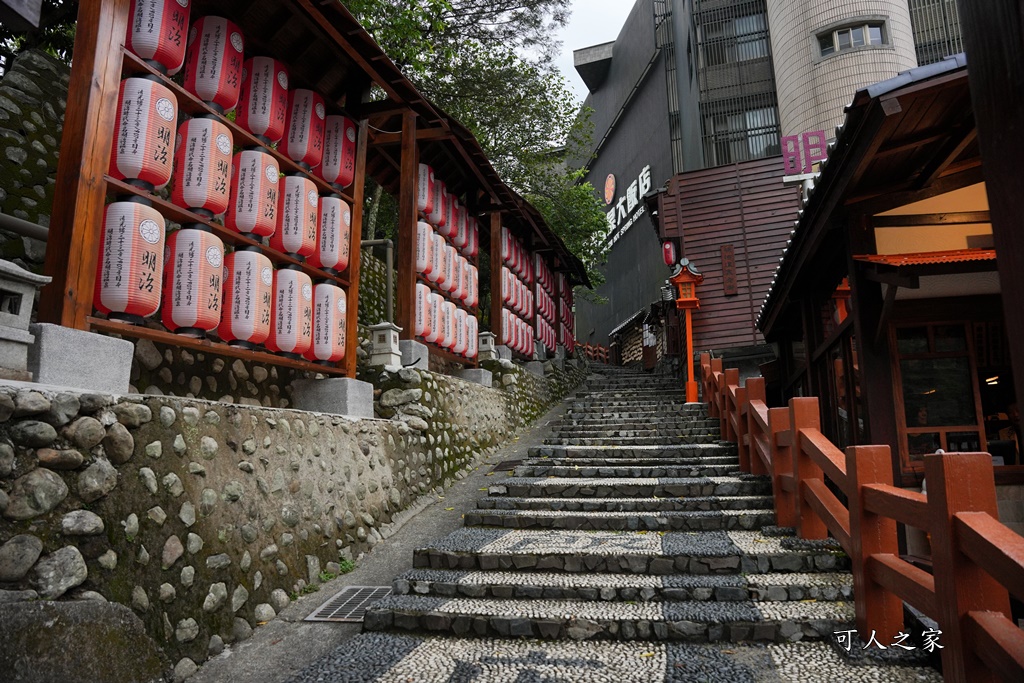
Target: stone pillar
336,396
476,376
65,357
414,354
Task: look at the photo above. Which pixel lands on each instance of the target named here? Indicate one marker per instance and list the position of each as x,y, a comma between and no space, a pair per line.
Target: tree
56,32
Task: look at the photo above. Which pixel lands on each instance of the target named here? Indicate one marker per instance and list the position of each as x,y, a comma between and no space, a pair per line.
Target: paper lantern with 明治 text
157,32
298,208
461,235
459,347
254,187
424,248
449,324
291,318
213,62
193,282
263,101
436,272
202,167
143,148
333,235
129,275
248,287
425,190
434,318
438,215
447,227
473,341
304,128
422,310
338,166
329,324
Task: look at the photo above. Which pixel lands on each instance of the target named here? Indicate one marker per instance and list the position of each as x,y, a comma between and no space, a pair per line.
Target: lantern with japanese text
202,167
339,161
433,332
213,63
156,33
248,290
438,215
437,272
422,310
254,187
263,100
193,272
473,341
449,324
473,245
143,152
329,324
425,190
130,270
333,235
459,347
304,128
465,292
460,237
668,253
424,248
441,338
447,227
297,212
291,326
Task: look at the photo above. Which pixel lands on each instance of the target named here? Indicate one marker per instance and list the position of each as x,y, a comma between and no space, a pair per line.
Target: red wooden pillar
731,377
871,534
782,464
406,266
496,305
73,246
741,428
755,391
804,415
352,311
714,397
961,482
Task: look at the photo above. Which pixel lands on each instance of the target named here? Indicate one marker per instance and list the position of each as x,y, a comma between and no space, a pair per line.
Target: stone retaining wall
203,517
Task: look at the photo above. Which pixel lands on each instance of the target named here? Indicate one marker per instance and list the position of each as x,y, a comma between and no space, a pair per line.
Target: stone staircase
631,522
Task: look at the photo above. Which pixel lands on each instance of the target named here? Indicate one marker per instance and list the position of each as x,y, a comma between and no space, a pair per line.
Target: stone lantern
386,349
487,348
17,294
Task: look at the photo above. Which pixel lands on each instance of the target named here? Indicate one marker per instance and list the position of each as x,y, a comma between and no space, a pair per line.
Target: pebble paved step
602,487
659,553
622,521
692,504
673,470
626,423
576,431
686,621
674,451
628,440
577,464
826,586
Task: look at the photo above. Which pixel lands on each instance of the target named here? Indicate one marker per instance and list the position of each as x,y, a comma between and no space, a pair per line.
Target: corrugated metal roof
929,258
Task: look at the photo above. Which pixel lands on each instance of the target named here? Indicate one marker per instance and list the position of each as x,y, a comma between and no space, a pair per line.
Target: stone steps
636,505
622,521
600,487
595,434
630,440
674,470
686,621
611,451
827,587
580,463
627,423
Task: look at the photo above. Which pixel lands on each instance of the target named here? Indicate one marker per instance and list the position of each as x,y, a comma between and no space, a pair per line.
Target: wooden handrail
977,560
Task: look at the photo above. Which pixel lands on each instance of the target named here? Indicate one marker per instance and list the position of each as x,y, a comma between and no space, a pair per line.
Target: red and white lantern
333,235
143,131
424,248
668,253
297,213
202,167
156,32
434,314
425,190
473,337
304,128
248,287
291,329
438,213
193,272
449,324
254,186
448,265
466,291
263,101
213,64
329,324
422,310
461,236
339,161
451,206
459,347
131,262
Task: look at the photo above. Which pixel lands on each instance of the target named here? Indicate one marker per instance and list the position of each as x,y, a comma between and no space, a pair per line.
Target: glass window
875,34
858,36
850,37
911,340
950,339
843,39
938,392
828,45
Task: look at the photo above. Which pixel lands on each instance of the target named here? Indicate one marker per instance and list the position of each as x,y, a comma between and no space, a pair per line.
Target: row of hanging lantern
516,333
446,241
516,294
241,296
566,320
547,310
545,333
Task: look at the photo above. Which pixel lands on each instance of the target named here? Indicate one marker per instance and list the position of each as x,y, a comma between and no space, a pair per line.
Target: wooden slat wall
745,205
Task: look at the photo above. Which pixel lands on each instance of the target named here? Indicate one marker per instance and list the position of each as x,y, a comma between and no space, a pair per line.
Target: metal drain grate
350,604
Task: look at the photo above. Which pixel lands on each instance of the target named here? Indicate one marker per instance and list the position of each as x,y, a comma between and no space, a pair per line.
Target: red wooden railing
977,561
594,352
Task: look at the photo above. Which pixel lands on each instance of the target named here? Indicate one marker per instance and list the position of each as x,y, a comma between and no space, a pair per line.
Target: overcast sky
592,22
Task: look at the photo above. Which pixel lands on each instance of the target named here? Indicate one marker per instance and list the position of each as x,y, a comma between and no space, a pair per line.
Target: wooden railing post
871,534
754,392
961,482
782,463
715,398
740,427
731,377
705,375
804,415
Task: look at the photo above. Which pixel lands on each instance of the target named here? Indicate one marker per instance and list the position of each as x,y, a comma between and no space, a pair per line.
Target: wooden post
496,281
691,378
740,429
355,254
705,375
995,52
755,391
406,266
871,534
73,246
715,396
961,482
731,377
804,415
782,463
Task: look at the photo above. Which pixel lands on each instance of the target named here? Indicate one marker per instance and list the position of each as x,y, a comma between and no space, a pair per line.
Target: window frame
848,27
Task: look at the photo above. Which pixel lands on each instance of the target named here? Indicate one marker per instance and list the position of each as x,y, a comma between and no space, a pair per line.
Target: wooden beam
992,37
879,202
892,278
355,240
406,266
421,134
919,219
947,154
495,251
883,320
73,248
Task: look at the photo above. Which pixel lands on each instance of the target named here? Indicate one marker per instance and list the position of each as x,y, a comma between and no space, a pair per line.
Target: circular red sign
609,189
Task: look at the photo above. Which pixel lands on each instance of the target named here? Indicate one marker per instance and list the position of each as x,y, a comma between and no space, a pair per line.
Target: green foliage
327,576
55,35
346,566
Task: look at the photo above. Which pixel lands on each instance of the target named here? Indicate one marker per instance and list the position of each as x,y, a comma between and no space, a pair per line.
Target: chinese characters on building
629,207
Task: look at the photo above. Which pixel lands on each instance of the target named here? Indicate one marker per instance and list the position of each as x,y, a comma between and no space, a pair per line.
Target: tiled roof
929,257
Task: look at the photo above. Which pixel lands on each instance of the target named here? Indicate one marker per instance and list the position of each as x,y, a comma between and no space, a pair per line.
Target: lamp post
685,279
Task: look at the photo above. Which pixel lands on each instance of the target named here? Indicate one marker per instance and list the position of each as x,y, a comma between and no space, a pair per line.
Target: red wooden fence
977,561
594,352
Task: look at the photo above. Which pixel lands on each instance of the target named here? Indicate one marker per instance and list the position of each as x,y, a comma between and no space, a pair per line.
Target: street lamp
685,279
